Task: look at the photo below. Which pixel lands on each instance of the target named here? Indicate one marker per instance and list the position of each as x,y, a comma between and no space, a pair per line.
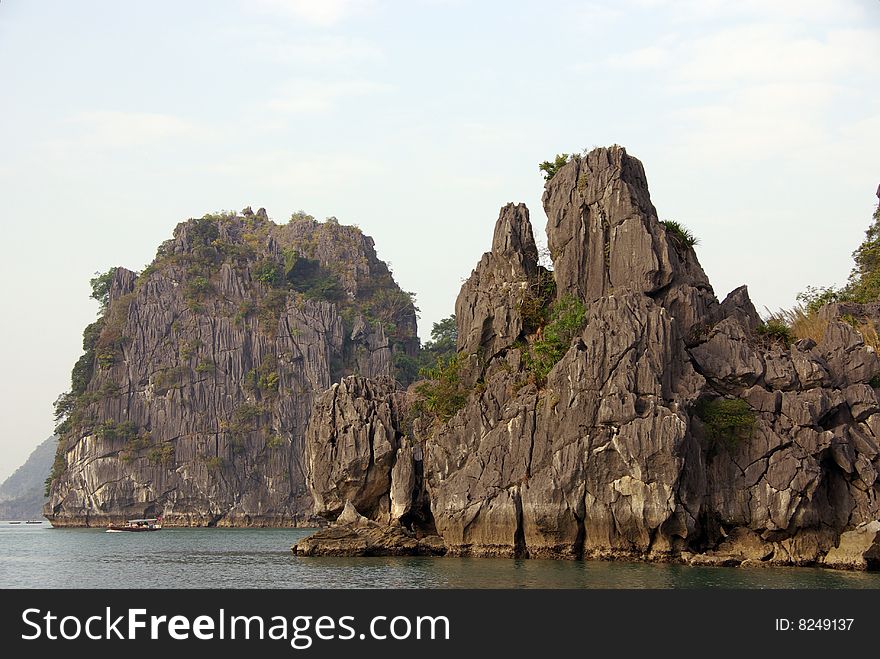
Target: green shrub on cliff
215,462
309,277
301,216
206,366
406,368
101,287
566,321
268,272
776,331
197,291
537,299
161,454
264,378
270,308
386,306
727,420
444,392
245,419
551,167
442,346
680,233
67,403
168,377
275,441
204,230
58,467
112,431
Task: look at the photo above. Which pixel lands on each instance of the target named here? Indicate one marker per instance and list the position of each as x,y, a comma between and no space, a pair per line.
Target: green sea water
38,556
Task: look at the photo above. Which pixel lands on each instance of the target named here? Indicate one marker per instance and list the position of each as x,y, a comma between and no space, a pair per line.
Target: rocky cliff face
198,382
671,427
612,407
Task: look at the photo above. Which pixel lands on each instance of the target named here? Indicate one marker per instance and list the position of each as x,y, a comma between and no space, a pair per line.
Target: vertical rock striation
671,428
488,307
612,407
203,372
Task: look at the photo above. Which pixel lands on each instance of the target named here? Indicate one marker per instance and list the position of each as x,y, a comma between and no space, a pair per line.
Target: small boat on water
137,525
33,521
15,522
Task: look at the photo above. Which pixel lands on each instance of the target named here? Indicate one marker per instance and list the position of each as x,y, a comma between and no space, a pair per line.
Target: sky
758,122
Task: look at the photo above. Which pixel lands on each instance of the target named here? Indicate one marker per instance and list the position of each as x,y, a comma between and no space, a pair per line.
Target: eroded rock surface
673,426
488,307
203,373
356,451
610,455
355,535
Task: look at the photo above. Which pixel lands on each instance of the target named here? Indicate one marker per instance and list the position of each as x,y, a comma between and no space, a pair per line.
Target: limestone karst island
607,405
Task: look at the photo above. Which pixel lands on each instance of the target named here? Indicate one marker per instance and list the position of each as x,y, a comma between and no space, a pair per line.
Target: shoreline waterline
31,557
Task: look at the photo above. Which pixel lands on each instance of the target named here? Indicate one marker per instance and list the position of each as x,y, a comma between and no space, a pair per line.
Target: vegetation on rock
550,167
775,331
726,420
680,233
101,287
564,321
444,392
536,302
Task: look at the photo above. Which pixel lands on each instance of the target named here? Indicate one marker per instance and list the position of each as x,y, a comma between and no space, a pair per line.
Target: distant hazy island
22,494
601,402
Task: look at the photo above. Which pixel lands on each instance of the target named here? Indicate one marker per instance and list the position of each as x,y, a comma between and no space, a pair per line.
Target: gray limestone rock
356,453
858,549
487,310
355,535
247,379
602,228
206,367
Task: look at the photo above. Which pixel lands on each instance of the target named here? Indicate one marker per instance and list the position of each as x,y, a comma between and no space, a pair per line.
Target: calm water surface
38,556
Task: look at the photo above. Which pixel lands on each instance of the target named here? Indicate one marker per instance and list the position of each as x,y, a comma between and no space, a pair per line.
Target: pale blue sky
758,122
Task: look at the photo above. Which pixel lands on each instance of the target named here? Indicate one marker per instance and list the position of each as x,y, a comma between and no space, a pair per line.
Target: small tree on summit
101,287
550,168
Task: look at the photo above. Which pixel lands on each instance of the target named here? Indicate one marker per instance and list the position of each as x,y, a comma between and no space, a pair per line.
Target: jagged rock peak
487,310
672,427
513,237
602,228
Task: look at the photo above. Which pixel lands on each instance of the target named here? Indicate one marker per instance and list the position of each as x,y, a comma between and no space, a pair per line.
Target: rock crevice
671,429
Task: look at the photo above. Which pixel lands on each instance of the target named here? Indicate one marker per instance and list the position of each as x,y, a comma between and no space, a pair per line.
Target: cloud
767,52
305,96
591,15
727,10
641,59
321,50
318,12
109,129
761,88
757,122
305,171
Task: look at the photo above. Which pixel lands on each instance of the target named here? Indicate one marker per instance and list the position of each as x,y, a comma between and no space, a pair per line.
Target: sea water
38,556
